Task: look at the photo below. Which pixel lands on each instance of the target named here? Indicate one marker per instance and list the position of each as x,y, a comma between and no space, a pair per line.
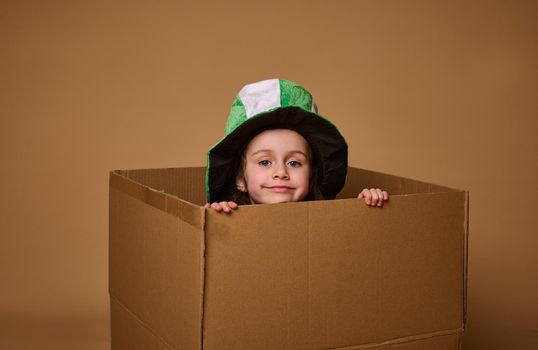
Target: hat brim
326,142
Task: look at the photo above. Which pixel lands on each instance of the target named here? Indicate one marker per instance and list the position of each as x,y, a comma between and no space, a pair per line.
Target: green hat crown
266,96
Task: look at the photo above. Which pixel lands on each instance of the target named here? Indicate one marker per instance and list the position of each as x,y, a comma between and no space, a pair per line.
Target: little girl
278,149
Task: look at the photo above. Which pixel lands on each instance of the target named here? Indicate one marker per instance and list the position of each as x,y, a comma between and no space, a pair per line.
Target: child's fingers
369,197
375,196
365,193
225,207
216,206
380,197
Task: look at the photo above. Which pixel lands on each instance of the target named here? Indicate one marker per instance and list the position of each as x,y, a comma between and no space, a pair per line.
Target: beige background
442,91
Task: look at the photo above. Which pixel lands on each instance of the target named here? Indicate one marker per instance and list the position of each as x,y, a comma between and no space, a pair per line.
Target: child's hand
226,207
374,196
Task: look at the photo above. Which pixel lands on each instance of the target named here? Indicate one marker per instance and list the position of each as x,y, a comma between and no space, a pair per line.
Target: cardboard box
311,275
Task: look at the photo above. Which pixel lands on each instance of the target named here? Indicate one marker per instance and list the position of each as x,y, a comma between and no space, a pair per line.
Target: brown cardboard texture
310,275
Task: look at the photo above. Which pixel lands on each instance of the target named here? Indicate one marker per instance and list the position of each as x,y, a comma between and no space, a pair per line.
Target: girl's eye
264,162
294,164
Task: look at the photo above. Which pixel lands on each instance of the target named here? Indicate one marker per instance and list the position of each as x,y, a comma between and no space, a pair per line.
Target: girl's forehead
278,140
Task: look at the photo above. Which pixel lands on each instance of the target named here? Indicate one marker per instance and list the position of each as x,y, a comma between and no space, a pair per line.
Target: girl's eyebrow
260,151
270,151
300,152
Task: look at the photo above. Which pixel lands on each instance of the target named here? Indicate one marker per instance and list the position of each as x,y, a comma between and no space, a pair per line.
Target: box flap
357,179
185,183
332,274
156,244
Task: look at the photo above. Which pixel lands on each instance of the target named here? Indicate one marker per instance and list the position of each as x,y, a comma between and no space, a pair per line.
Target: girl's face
276,167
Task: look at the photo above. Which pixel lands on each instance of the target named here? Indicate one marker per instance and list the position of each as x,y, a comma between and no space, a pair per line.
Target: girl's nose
280,173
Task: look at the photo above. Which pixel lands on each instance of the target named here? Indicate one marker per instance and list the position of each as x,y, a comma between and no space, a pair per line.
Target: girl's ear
240,183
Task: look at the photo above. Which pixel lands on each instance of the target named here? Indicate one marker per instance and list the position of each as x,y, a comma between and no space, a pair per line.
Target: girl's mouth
280,189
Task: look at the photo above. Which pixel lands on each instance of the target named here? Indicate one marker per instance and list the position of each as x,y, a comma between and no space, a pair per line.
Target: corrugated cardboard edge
466,259
203,282
394,184
174,206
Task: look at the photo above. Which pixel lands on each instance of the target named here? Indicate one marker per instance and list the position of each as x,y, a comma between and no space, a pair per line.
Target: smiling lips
280,189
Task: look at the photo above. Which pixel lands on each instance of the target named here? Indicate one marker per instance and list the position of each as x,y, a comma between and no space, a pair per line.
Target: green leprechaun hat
275,104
